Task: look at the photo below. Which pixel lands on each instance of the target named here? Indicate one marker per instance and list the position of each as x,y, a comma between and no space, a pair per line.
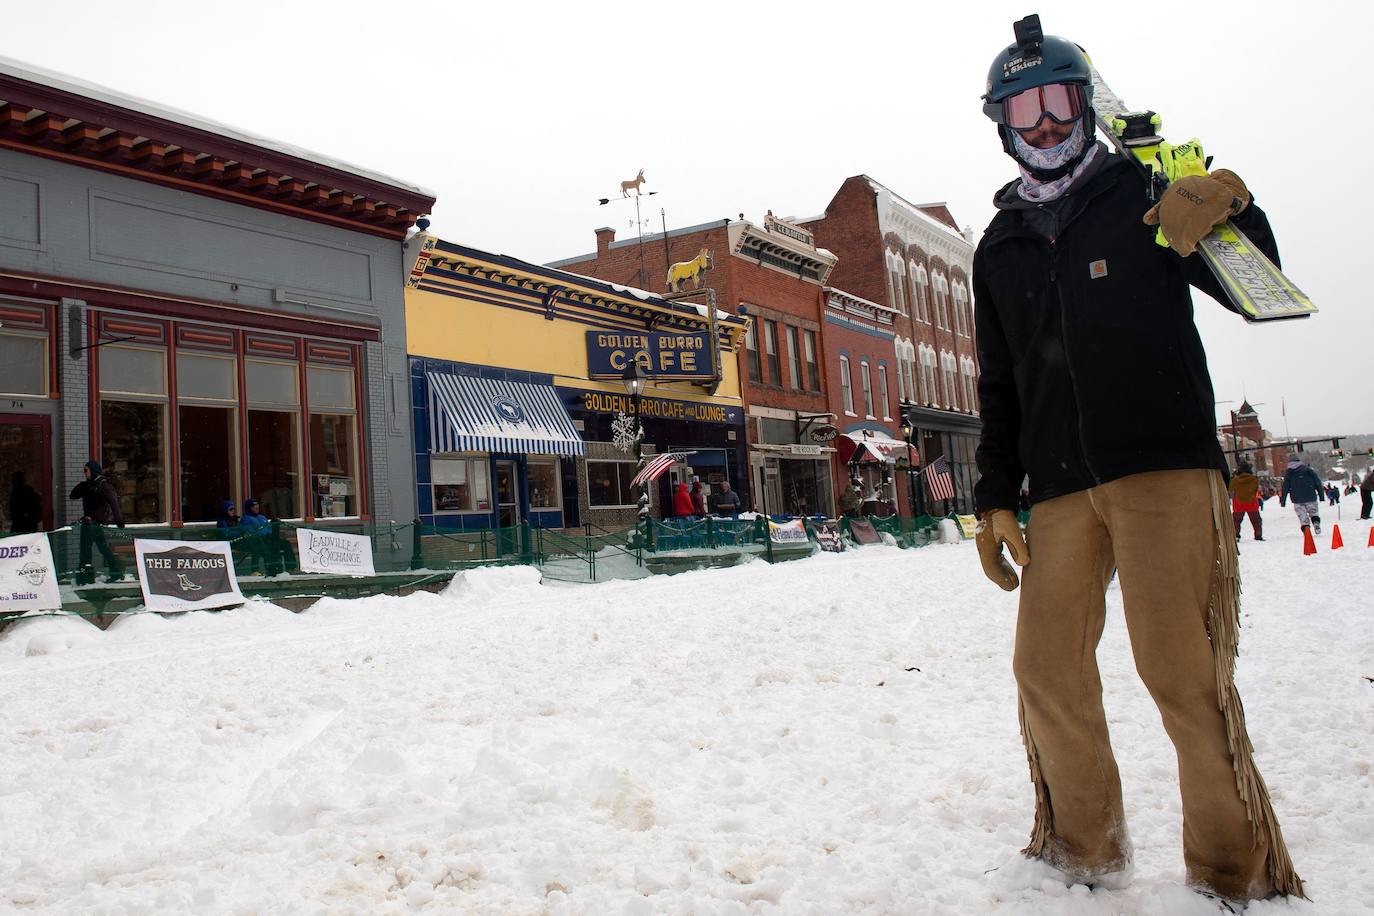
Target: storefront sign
773,224
177,576
793,532
806,450
823,433
863,532
609,402
828,536
660,354
28,581
335,552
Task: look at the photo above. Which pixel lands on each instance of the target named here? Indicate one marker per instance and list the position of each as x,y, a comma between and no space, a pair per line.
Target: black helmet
1037,59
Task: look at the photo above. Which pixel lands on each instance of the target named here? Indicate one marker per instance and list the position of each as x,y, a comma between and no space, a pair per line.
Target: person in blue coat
1302,485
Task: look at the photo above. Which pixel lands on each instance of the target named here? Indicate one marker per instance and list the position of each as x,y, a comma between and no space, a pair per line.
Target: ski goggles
1062,102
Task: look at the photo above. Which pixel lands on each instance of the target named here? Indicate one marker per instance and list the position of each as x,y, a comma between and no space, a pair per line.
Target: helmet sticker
1018,64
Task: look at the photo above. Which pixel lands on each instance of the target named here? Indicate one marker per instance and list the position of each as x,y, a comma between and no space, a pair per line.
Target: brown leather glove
1194,204
995,528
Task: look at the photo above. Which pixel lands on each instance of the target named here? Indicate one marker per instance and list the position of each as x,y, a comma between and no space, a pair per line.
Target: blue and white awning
468,414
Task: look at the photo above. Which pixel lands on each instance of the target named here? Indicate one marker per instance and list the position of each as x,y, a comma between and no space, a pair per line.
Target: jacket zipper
1068,363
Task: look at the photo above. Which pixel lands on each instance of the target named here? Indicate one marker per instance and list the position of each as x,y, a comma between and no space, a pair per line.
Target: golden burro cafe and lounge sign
517,386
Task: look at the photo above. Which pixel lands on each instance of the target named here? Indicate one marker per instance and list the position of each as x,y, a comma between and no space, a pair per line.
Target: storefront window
846,385
793,359
132,452
133,429
751,352
543,480
332,468
770,343
207,434
460,485
25,361
209,455
813,369
274,462
608,484
274,438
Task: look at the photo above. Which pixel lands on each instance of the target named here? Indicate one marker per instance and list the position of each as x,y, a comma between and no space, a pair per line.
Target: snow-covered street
835,735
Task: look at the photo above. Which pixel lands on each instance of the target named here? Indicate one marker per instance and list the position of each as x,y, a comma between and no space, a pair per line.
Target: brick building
772,272
913,260
1245,437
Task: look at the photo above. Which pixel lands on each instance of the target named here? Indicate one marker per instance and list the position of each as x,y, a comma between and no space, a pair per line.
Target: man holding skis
1095,385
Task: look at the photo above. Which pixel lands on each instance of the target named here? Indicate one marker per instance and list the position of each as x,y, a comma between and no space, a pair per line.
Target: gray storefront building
211,315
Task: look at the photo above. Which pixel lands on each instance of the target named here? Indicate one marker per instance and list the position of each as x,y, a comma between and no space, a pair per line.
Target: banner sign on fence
28,579
186,575
863,532
968,526
828,536
335,552
792,532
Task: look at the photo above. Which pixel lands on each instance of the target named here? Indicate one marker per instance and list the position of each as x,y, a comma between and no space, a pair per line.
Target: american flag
656,465
939,482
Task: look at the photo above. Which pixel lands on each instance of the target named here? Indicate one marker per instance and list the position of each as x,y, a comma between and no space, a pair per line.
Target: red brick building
1245,437
772,272
914,260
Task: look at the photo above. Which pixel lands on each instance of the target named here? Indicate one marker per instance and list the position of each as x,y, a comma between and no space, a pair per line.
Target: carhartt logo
1097,269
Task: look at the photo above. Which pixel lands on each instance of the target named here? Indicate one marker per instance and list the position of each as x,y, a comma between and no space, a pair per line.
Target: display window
608,484
544,484
460,484
24,357
191,416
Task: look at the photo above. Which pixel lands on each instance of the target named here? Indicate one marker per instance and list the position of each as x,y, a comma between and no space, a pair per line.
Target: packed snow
825,736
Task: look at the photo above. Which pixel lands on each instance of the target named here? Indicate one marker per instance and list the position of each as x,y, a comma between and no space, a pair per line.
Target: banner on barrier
335,553
792,532
863,532
828,536
186,575
28,579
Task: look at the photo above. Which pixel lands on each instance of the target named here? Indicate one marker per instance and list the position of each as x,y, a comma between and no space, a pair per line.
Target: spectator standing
698,498
1245,500
1367,494
26,506
682,502
725,500
99,507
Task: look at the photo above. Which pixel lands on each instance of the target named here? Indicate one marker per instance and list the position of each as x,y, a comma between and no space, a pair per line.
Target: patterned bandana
1036,191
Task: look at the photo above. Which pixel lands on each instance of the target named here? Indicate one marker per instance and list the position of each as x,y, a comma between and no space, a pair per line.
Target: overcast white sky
520,115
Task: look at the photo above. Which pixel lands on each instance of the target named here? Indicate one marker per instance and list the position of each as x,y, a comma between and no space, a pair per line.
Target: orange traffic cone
1336,542
1309,546
1371,537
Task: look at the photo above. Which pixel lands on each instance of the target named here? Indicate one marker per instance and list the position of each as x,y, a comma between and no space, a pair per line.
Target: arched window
949,375
969,372
899,346
920,291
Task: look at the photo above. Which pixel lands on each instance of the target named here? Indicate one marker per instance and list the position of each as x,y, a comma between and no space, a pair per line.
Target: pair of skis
1253,283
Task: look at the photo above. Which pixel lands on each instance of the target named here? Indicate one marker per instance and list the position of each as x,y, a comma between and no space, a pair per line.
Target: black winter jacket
99,501
1091,366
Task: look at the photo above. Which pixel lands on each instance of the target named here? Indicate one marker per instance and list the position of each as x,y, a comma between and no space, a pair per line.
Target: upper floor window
846,386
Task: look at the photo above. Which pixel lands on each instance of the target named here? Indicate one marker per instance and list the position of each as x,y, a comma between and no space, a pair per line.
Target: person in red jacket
682,502
1245,500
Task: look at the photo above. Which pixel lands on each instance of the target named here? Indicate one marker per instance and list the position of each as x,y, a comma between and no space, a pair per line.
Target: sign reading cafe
660,354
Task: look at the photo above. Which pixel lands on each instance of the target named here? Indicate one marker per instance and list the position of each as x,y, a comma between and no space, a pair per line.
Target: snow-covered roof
71,85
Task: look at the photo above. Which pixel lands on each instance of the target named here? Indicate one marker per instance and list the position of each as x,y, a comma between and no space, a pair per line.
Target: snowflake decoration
624,431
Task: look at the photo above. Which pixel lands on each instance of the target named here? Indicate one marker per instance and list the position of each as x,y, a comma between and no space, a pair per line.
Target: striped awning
468,414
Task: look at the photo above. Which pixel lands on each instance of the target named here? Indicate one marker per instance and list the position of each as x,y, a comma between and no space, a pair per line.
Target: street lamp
634,384
914,494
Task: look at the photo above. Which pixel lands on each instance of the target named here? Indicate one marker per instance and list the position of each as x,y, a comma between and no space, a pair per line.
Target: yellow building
520,407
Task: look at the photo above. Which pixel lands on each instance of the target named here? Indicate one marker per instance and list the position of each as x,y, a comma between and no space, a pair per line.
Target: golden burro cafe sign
661,355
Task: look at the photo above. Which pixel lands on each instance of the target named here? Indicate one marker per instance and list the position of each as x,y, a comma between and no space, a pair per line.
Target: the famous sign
186,576
661,355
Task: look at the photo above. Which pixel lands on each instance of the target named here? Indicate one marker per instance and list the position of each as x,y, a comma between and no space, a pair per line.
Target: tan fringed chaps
1168,534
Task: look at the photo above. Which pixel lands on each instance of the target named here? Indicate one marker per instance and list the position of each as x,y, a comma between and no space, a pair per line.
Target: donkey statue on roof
625,186
689,270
